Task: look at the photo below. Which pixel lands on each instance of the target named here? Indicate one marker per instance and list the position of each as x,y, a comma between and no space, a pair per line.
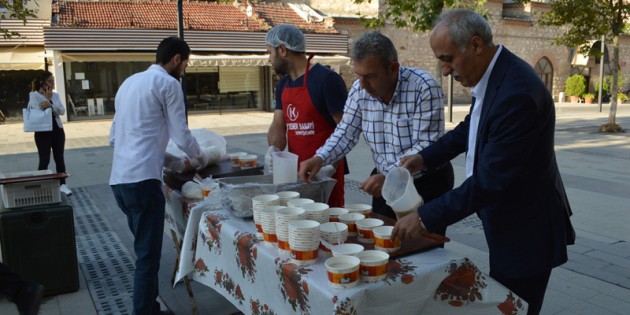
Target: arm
175,117
428,122
277,134
37,100
57,105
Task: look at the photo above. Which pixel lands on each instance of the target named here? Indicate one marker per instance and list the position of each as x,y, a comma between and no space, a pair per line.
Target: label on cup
386,242
333,219
271,238
304,255
366,234
259,228
352,227
344,278
283,245
373,271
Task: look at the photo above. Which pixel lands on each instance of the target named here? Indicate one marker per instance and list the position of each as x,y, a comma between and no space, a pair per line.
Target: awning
202,61
22,58
108,57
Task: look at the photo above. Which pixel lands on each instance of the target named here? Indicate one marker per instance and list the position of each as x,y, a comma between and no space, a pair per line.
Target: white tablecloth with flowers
226,256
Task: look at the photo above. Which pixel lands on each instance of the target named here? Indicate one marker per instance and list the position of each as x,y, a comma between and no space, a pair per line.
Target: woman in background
42,97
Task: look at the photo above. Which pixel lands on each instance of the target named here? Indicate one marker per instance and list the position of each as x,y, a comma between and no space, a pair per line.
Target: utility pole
601,73
180,33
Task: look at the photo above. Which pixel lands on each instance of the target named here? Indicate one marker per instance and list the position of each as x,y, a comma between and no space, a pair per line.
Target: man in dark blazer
513,182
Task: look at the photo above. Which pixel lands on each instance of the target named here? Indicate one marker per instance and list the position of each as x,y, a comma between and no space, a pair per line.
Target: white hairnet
288,35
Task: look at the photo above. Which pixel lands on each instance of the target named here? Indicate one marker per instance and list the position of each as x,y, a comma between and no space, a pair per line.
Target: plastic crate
30,193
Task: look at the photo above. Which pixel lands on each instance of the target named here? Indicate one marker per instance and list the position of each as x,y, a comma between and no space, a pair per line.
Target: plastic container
400,193
29,193
248,161
284,167
38,242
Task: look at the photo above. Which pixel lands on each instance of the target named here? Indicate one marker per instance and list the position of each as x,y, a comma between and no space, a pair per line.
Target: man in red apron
309,103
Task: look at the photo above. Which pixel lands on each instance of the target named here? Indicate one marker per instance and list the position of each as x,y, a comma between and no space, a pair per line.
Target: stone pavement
595,168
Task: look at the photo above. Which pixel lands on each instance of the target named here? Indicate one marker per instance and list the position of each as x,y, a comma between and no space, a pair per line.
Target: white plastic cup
343,271
248,161
235,158
361,208
285,167
350,220
373,265
383,239
347,249
364,229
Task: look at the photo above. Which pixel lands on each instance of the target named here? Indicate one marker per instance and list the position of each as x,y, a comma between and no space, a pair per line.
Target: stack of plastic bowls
334,233
258,203
268,222
316,211
283,217
286,196
304,241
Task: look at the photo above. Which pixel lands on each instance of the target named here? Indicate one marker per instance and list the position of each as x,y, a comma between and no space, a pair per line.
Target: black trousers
54,140
429,186
531,289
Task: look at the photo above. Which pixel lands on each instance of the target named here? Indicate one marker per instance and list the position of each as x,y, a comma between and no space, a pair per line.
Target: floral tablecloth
225,255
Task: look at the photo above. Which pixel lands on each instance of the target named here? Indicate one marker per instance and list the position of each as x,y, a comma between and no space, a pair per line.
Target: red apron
307,130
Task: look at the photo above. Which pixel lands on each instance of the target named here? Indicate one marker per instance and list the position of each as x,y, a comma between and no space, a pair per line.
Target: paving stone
610,303
586,260
593,272
613,259
579,248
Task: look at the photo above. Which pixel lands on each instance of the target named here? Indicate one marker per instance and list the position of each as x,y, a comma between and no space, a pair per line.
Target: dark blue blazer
516,188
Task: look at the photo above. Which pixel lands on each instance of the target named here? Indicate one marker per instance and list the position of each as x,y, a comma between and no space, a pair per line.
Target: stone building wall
520,35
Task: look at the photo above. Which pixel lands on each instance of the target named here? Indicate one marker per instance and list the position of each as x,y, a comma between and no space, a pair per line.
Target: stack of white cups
334,233
286,196
268,222
258,203
298,202
316,211
304,241
283,217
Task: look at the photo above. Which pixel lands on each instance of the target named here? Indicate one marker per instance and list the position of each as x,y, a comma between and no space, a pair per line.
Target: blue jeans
143,203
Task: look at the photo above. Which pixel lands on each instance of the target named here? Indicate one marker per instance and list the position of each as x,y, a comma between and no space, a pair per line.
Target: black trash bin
38,243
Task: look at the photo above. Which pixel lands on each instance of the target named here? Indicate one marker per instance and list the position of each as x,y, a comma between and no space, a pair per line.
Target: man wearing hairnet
309,104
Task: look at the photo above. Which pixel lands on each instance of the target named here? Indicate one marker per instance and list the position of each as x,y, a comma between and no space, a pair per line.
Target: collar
480,89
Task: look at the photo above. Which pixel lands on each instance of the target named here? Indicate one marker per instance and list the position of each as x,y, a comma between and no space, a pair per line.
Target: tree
586,20
418,15
17,10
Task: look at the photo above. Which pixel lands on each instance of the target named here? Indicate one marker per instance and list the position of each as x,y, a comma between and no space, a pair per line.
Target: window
545,72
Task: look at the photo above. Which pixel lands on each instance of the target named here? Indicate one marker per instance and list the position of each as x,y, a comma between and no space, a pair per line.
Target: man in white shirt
150,109
399,110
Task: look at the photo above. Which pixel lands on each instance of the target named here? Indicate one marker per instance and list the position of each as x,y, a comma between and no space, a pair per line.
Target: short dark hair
40,79
374,44
169,47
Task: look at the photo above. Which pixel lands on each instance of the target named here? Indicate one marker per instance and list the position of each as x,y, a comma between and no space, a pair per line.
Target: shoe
30,298
64,189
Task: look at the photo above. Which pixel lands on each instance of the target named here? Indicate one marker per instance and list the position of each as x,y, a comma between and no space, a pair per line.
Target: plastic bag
212,145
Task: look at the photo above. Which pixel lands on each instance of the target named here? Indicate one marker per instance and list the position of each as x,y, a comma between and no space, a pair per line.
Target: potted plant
576,87
588,98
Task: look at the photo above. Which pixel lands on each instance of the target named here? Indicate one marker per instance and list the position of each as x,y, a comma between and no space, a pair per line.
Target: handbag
37,119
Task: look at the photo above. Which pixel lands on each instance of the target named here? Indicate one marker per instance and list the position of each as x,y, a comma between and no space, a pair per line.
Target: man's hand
408,227
373,185
310,168
269,159
414,163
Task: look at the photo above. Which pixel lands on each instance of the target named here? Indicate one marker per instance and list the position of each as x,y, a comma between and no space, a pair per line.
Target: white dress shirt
479,93
413,119
149,111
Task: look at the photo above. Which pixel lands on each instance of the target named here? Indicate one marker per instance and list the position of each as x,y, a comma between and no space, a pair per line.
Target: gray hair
374,44
463,25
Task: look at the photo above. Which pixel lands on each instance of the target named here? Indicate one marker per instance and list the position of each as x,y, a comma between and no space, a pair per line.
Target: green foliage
576,85
17,10
622,97
417,15
621,80
605,88
589,95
